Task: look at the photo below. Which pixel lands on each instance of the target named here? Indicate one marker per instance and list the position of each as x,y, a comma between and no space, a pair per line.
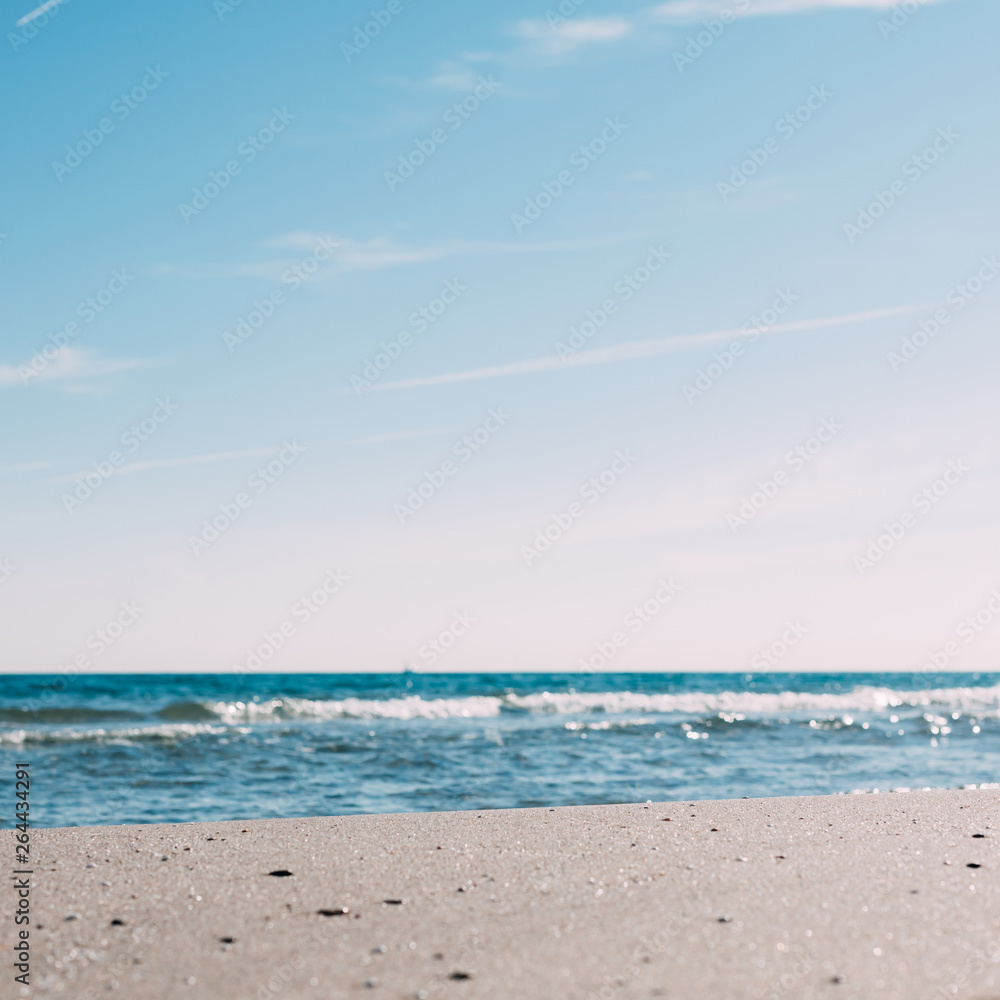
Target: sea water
168,748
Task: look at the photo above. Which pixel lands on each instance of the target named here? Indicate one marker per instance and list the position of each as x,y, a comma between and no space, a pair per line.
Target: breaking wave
692,703
187,719
131,734
697,703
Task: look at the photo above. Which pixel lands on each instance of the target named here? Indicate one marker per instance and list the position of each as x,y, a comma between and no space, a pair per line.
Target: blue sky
762,219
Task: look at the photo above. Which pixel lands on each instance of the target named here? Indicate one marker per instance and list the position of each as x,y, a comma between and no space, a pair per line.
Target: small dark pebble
280,873
979,835
392,902
210,838
227,940
972,864
714,829
725,920
839,979
339,911
666,819
117,923
164,859
460,975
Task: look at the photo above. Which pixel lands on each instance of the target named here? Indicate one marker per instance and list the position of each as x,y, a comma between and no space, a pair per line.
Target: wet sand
829,897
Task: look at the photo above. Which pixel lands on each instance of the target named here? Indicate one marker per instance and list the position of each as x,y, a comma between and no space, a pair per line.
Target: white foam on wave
736,703
729,705
733,704
412,707
166,731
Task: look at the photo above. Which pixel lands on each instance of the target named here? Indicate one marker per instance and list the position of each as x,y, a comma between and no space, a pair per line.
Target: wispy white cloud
388,438
635,350
209,458
302,239
14,467
547,40
455,76
162,463
67,363
554,38
366,255
561,37
689,11
369,255
381,252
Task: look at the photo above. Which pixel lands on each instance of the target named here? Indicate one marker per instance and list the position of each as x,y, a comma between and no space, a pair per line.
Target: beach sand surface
888,895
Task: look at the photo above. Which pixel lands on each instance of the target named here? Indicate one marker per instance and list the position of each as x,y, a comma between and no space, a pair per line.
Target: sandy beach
891,895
